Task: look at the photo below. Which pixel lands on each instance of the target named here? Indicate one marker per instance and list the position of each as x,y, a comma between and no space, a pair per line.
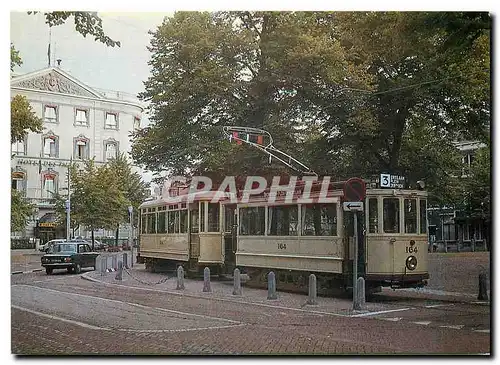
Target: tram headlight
411,262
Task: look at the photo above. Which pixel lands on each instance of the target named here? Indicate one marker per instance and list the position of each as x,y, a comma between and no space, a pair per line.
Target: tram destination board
392,181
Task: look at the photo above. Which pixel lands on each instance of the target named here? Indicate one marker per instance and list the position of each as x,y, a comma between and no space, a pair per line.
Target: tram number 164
282,246
411,249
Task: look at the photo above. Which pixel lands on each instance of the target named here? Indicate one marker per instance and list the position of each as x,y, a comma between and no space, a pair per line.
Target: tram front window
410,206
423,216
391,215
373,215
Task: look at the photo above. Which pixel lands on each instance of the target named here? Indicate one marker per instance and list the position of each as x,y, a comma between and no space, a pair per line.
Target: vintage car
72,256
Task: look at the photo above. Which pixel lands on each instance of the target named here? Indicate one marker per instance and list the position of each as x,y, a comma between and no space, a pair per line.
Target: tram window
173,222
283,220
319,220
391,215
184,221
410,207
151,223
213,217
194,220
252,221
144,222
161,222
423,216
228,219
373,215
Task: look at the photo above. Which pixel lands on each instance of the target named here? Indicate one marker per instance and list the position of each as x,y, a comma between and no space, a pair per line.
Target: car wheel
70,270
48,270
78,269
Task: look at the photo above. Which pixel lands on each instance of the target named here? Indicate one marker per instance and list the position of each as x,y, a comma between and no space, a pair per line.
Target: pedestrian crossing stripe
394,319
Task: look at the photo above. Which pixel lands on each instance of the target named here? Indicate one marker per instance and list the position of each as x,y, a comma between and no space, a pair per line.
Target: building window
111,121
50,146
19,148
81,148
82,117
137,123
50,114
110,151
19,181
49,184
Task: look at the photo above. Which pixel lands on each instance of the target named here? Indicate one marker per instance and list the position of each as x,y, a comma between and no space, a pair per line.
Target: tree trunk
116,234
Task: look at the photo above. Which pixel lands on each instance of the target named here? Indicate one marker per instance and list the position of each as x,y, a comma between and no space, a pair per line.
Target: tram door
230,230
348,229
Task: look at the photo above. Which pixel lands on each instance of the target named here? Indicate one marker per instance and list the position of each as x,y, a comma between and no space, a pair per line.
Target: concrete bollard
271,286
483,292
180,278
125,260
104,261
119,273
114,262
361,292
311,299
206,280
237,282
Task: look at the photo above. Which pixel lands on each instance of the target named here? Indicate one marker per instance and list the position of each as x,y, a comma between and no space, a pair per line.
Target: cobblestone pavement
63,314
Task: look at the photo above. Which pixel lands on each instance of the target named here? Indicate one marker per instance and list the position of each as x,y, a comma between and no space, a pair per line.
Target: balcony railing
40,197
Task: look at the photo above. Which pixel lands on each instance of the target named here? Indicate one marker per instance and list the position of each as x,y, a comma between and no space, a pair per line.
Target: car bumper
59,265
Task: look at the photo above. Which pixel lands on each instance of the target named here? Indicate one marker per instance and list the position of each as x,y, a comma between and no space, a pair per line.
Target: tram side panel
173,247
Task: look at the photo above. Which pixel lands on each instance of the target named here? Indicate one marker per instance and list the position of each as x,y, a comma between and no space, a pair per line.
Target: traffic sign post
354,194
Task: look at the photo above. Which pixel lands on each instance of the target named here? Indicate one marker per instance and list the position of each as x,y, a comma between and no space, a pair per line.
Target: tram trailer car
259,237
185,231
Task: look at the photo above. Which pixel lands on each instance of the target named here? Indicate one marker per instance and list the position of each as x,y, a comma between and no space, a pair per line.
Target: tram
291,237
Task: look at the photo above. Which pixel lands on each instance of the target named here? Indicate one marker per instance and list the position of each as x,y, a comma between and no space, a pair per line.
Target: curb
25,272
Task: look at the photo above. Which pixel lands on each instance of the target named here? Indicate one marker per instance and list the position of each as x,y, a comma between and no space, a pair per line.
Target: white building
80,122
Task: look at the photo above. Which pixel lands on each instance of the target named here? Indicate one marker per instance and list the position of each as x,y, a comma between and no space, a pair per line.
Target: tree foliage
22,119
20,211
347,93
86,23
15,59
478,184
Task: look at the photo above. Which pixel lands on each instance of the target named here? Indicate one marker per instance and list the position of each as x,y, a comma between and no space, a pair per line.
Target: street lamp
68,208
130,238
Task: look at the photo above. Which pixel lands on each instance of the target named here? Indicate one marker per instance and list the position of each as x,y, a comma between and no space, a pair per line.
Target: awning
48,220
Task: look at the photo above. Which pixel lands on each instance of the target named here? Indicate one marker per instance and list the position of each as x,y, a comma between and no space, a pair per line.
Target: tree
97,202
86,23
236,68
20,211
22,119
15,59
348,93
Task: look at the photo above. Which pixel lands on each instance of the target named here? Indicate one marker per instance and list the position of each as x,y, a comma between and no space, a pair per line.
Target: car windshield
63,248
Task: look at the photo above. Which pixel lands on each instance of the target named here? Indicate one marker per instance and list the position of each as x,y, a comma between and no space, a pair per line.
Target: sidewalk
138,277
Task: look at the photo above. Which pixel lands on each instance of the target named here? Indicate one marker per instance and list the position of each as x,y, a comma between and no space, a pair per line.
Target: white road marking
456,327
423,323
438,305
81,324
379,312
483,331
132,304
394,319
183,330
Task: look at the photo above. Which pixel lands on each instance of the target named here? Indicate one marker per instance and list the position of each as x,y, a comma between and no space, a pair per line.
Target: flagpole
68,202
50,41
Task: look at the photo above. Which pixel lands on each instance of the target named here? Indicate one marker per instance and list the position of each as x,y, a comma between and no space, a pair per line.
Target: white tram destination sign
353,206
392,181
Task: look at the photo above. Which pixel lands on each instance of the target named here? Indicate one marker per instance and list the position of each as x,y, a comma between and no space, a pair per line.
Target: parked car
72,256
45,247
